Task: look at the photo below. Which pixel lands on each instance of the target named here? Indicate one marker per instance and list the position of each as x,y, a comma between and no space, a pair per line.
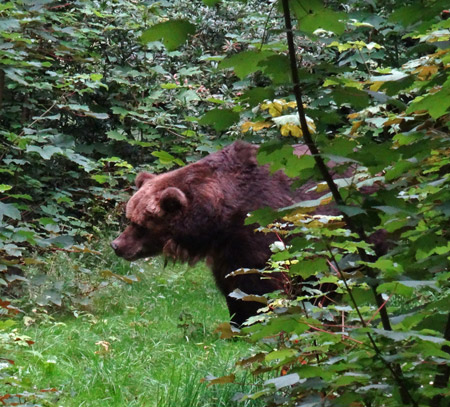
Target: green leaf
308,268
351,210
436,104
351,96
263,216
166,158
280,355
401,336
255,96
173,33
246,62
220,119
86,163
45,152
116,135
313,15
277,68
96,76
9,210
101,179
417,11
4,187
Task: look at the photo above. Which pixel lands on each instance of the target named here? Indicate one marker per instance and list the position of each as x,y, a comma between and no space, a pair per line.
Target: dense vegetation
92,91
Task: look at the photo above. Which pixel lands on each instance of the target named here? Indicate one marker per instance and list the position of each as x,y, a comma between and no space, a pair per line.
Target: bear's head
151,211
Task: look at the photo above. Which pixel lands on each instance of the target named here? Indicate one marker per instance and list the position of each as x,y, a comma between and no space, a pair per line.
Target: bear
198,212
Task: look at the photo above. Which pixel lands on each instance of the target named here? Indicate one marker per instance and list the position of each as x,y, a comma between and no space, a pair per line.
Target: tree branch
356,228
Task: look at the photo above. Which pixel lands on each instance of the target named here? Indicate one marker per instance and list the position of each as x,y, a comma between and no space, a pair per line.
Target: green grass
160,338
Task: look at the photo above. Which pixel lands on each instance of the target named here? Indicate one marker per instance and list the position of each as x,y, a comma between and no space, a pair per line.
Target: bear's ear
245,153
172,200
142,177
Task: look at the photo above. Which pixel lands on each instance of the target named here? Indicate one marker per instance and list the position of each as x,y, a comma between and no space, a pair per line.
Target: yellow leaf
397,120
375,86
425,72
326,201
246,126
356,126
255,126
321,187
275,108
290,129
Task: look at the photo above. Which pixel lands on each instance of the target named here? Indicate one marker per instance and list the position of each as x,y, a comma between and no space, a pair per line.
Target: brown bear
198,212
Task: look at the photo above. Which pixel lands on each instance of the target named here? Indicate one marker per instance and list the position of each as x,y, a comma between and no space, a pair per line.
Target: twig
39,118
265,33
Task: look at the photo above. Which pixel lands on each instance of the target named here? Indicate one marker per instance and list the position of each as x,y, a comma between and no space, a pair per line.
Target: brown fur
198,212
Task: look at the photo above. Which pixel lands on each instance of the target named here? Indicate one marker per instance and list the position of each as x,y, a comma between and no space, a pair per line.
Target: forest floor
148,343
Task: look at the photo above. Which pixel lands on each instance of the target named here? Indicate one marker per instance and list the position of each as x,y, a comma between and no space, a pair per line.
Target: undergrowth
134,343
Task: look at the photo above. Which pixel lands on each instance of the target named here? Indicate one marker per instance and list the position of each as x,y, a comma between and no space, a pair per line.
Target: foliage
90,91
87,94
377,91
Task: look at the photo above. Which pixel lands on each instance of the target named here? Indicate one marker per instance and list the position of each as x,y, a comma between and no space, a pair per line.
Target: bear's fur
198,212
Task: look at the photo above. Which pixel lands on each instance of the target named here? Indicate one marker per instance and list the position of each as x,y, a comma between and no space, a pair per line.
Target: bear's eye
138,229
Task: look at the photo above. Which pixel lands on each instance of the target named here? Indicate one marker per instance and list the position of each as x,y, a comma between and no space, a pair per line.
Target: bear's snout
116,246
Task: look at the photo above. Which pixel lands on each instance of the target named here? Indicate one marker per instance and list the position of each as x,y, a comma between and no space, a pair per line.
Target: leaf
308,268
50,296
436,104
4,187
351,96
280,355
351,210
226,330
220,119
255,126
401,336
313,15
64,241
100,116
86,163
277,68
166,158
415,12
240,295
9,210
246,62
259,357
219,380
255,96
173,33
46,152
284,381
116,135
263,216
101,179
